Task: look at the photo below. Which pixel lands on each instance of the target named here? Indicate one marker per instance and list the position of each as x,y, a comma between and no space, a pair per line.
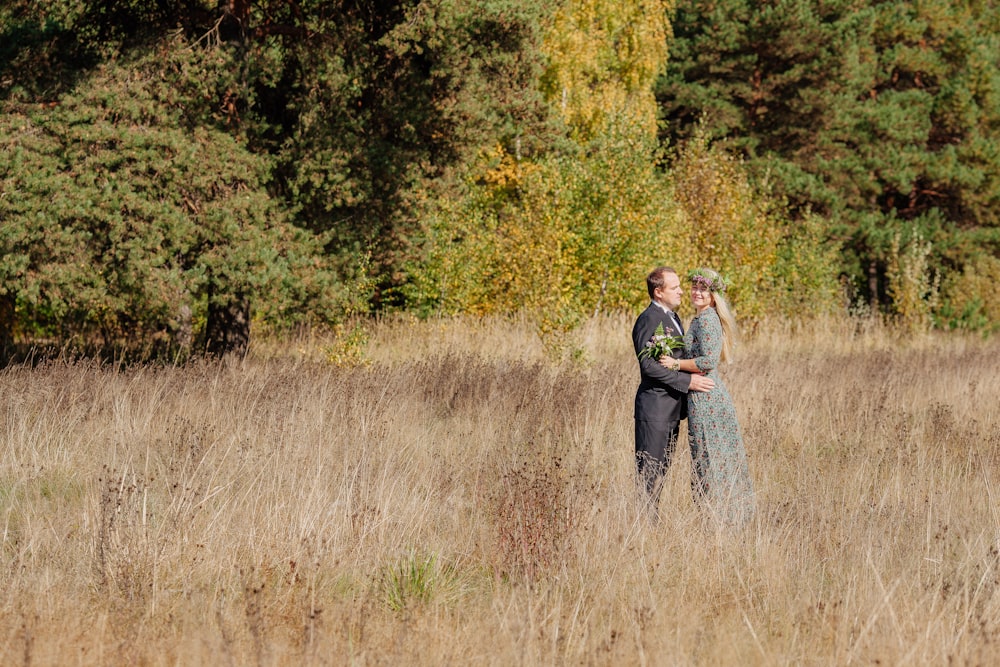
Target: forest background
173,173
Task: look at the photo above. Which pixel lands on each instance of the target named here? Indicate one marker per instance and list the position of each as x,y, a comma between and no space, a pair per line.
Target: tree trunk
184,333
227,330
873,285
6,323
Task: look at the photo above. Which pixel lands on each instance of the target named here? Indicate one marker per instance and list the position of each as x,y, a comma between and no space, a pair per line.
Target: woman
721,478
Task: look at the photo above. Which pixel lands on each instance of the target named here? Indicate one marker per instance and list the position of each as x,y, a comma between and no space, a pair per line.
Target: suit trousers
655,443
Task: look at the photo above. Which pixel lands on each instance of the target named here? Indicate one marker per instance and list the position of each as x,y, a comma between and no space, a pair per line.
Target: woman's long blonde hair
717,287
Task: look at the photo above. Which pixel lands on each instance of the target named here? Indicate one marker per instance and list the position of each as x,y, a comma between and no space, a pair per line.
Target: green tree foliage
390,103
39,54
123,220
46,45
365,110
191,162
882,117
570,235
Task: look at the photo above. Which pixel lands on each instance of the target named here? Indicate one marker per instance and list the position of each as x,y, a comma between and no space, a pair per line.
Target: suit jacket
662,393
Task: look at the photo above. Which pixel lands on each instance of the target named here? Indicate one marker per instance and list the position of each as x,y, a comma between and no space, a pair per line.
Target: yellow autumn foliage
557,239
727,226
912,287
604,56
970,299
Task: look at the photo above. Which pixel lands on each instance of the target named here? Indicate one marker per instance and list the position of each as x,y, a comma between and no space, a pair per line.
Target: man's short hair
656,278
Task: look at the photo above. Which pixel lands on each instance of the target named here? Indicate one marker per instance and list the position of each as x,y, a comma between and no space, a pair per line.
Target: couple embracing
686,384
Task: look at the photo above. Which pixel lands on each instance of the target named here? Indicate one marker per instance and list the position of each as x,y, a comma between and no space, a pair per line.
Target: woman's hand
685,365
670,363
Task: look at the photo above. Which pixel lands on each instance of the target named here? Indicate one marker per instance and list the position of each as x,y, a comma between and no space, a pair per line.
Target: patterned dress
721,478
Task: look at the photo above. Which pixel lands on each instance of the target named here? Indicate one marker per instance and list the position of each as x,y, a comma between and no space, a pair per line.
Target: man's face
670,294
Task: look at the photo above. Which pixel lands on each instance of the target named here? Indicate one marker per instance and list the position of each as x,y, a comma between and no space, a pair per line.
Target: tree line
172,173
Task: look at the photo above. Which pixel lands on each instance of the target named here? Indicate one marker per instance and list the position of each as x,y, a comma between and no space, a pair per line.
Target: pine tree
880,116
121,223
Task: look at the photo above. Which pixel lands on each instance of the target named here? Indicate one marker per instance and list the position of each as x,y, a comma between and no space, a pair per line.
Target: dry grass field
461,501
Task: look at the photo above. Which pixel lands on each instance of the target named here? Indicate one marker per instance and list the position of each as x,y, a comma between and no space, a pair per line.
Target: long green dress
721,477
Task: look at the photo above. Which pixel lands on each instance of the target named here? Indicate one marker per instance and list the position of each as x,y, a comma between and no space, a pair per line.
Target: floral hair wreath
710,279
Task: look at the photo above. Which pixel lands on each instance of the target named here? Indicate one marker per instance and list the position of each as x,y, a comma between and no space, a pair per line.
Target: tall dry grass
460,500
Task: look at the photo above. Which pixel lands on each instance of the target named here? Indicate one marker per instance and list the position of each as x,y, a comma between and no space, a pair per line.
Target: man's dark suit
660,403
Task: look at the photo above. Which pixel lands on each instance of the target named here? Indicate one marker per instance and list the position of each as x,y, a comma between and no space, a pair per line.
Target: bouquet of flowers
661,344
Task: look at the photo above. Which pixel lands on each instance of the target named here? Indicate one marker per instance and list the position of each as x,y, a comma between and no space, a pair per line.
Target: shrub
737,227
970,299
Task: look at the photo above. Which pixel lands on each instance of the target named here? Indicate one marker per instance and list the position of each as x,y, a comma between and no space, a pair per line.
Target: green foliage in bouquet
661,344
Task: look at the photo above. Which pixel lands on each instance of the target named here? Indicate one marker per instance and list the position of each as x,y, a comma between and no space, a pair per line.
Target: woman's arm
710,335
686,365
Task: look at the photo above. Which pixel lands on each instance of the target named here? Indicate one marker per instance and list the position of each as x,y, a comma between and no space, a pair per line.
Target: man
660,401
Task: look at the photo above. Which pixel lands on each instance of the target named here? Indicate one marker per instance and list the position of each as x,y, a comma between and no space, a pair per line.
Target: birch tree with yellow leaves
573,232
605,56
